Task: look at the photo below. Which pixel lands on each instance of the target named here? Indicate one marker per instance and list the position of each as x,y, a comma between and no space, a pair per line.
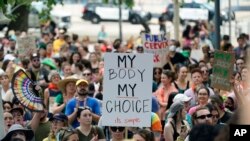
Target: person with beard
37,73
82,99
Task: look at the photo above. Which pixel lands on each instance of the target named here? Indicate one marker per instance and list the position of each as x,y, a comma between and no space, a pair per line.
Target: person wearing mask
205,41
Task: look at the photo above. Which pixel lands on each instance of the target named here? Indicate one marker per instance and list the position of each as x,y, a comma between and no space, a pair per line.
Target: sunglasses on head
204,116
119,129
85,108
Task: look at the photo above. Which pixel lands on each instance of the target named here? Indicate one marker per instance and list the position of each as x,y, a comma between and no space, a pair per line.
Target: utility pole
217,24
176,20
120,19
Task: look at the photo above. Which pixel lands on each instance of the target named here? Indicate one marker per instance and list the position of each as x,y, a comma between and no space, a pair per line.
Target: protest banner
127,90
26,45
157,45
222,70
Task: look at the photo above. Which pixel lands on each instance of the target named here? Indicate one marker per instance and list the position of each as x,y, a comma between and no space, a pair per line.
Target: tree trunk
21,21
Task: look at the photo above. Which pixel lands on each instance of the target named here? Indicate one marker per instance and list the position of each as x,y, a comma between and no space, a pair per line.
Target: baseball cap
34,55
81,81
59,116
182,98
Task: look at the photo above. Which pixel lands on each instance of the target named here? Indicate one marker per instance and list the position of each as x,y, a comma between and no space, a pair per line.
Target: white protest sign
157,45
193,14
127,97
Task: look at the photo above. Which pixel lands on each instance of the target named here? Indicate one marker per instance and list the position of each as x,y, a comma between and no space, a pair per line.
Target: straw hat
62,83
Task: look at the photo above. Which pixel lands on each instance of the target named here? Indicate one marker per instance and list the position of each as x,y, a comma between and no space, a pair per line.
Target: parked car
61,18
96,12
195,10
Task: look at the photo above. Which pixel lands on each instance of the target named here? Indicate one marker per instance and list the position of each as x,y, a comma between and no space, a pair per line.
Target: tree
18,12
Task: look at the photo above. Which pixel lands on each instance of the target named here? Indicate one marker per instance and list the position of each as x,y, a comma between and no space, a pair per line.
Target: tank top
176,134
181,90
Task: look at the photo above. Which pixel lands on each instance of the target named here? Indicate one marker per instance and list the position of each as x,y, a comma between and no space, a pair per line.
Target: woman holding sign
163,92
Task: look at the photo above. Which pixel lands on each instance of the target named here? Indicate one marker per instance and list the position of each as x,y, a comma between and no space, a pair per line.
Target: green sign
222,70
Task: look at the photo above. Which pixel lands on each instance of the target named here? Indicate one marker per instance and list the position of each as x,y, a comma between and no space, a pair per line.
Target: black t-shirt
226,117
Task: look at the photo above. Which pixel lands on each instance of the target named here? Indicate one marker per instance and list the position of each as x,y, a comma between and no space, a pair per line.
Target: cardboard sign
127,86
26,45
157,45
222,70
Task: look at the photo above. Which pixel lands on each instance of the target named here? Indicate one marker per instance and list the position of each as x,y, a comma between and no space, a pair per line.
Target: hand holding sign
127,90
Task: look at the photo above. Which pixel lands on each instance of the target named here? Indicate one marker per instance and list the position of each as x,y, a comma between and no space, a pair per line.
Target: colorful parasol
24,90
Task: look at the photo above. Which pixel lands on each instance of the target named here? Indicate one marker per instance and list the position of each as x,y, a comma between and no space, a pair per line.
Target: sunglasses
36,60
204,116
86,74
120,129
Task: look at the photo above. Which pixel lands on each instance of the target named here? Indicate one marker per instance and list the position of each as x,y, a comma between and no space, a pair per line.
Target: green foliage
129,3
8,6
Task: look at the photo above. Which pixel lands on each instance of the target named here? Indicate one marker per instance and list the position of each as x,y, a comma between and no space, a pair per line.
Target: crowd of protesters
70,72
